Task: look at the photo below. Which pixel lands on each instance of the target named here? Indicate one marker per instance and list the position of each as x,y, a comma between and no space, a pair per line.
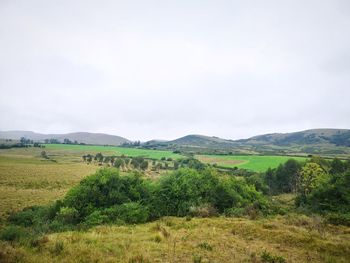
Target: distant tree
107,159
112,160
23,140
169,159
137,143
99,157
89,158
126,161
119,163
159,166
54,141
337,166
176,165
44,155
67,141
144,165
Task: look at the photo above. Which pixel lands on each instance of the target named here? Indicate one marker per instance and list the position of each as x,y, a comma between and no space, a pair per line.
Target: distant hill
316,141
80,137
338,137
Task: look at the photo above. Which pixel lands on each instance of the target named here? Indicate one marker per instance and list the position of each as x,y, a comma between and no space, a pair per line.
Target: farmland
66,149
256,163
27,179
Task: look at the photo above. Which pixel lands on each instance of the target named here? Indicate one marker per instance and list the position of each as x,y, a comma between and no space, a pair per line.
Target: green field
256,163
113,150
27,179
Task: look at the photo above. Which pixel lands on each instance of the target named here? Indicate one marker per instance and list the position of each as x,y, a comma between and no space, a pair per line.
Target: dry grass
230,240
26,179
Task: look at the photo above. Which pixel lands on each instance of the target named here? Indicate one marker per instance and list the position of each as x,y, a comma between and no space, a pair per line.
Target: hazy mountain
200,140
339,137
81,137
317,141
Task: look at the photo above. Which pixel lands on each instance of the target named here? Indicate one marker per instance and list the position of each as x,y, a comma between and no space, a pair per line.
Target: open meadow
257,163
79,150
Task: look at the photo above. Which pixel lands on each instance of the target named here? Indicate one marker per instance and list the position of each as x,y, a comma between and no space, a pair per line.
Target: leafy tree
99,157
337,166
310,176
44,155
144,165
119,163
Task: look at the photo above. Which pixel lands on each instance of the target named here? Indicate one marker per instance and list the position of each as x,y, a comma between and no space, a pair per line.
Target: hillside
81,137
339,137
316,141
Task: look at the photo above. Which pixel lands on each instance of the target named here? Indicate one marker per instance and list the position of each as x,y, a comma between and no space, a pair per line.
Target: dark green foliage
205,246
104,189
12,233
283,179
332,195
337,166
185,188
338,219
144,165
28,216
234,193
268,258
258,181
329,194
107,197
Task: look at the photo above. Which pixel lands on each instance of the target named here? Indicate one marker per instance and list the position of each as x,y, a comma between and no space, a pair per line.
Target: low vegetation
193,212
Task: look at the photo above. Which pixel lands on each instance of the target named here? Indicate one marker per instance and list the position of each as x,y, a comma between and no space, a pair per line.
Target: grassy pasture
256,163
112,150
27,179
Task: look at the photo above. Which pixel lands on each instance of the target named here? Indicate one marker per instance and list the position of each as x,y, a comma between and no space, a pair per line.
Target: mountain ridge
81,137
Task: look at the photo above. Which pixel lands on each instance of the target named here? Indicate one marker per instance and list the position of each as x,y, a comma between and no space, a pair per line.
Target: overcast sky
164,69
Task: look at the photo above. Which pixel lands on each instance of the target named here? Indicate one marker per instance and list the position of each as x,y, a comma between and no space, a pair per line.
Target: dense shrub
106,197
183,189
104,189
12,233
283,179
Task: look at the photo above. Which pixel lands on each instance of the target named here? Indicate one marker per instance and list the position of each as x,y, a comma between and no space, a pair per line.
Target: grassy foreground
294,238
257,163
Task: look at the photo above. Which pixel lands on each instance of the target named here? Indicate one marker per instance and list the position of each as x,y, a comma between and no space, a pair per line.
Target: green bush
107,197
267,257
12,233
339,219
96,218
29,216
177,192
68,215
131,213
104,189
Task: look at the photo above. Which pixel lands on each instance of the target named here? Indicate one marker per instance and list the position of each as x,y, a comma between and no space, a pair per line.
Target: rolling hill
316,141
81,137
